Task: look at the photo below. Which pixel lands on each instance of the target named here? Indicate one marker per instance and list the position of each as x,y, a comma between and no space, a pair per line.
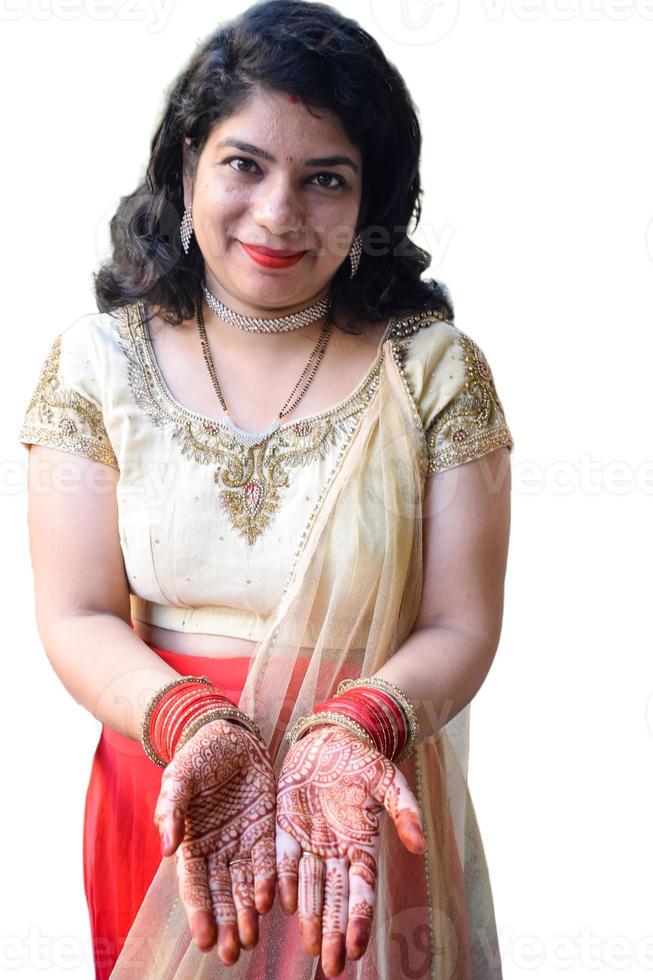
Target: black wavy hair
327,60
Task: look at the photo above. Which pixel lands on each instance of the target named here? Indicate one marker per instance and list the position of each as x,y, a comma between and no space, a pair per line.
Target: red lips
271,258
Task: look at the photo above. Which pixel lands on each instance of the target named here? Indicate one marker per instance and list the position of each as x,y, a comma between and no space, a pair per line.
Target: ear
188,169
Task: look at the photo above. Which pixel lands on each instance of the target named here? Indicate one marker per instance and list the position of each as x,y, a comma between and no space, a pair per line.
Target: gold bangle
151,705
302,724
405,703
229,711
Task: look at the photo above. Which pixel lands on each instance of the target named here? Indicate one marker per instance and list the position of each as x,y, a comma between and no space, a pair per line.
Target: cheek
338,214
217,212
334,228
222,197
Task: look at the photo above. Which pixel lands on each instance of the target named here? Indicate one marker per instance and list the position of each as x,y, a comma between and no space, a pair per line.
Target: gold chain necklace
250,439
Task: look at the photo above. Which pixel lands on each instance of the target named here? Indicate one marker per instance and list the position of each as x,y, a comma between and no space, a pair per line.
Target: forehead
281,121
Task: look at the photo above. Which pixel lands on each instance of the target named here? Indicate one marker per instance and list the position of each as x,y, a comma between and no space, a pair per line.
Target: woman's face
266,177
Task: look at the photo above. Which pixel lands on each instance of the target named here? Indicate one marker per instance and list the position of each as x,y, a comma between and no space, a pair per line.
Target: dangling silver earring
355,254
186,229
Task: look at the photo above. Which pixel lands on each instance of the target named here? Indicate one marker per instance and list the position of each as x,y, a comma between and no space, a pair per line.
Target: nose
277,207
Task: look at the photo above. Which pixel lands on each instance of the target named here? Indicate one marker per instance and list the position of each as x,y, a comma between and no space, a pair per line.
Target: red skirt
122,847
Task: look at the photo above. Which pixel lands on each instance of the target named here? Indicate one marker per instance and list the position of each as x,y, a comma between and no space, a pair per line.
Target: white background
537,168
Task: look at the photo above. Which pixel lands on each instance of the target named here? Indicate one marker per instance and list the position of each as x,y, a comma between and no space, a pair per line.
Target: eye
341,181
240,160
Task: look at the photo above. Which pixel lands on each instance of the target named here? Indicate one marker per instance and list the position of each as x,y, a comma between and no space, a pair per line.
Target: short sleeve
457,398
65,410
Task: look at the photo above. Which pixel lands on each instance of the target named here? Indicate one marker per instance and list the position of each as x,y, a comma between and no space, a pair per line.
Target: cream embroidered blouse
209,529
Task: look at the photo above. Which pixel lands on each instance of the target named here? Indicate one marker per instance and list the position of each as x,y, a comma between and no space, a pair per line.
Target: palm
217,802
330,797
332,808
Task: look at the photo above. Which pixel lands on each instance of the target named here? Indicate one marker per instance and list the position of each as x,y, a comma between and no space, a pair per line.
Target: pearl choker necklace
277,324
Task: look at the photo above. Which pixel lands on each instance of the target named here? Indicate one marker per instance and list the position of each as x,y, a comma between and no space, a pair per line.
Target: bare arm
81,590
446,658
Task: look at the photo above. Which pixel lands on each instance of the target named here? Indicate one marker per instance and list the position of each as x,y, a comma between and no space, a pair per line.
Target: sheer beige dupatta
351,599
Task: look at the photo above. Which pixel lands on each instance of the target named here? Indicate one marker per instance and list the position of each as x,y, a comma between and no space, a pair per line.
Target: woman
292,472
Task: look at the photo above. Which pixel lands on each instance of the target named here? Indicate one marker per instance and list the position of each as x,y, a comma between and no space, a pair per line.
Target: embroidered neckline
304,421
252,481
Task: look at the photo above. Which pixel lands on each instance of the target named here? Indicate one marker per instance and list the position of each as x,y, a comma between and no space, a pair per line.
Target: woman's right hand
217,805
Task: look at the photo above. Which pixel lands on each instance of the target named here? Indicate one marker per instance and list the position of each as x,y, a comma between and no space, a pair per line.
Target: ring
238,861
313,854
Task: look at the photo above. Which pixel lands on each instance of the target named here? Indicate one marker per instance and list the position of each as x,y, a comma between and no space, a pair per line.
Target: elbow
472,653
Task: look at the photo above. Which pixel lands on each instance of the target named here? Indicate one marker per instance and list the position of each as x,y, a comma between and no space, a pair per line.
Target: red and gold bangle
197,705
182,689
165,729
399,698
230,712
304,724
169,718
385,720
366,708
361,714
179,709
373,709
392,707
371,716
153,709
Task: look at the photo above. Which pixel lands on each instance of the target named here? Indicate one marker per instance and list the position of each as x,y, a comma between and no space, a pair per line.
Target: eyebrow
256,151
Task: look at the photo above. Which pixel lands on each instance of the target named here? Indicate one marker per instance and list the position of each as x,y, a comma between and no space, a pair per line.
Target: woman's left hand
331,793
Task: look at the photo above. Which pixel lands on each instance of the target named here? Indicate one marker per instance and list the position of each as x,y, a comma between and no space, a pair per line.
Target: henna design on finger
392,800
220,889
242,884
311,882
334,918
263,859
363,866
286,867
362,910
194,889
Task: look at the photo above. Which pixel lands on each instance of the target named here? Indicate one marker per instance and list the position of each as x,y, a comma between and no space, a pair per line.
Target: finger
288,852
362,899
242,889
196,898
265,873
224,909
310,902
400,803
334,917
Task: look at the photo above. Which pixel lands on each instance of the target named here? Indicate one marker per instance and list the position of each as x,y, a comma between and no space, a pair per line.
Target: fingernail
411,822
418,829
165,842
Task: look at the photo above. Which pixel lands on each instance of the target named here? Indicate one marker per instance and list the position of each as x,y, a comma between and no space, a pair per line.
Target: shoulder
87,352
93,333
68,402
429,353
454,388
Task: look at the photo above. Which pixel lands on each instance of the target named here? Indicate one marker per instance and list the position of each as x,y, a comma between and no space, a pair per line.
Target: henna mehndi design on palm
332,791
217,804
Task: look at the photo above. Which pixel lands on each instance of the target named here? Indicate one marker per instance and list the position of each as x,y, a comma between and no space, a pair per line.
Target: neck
269,347
213,291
